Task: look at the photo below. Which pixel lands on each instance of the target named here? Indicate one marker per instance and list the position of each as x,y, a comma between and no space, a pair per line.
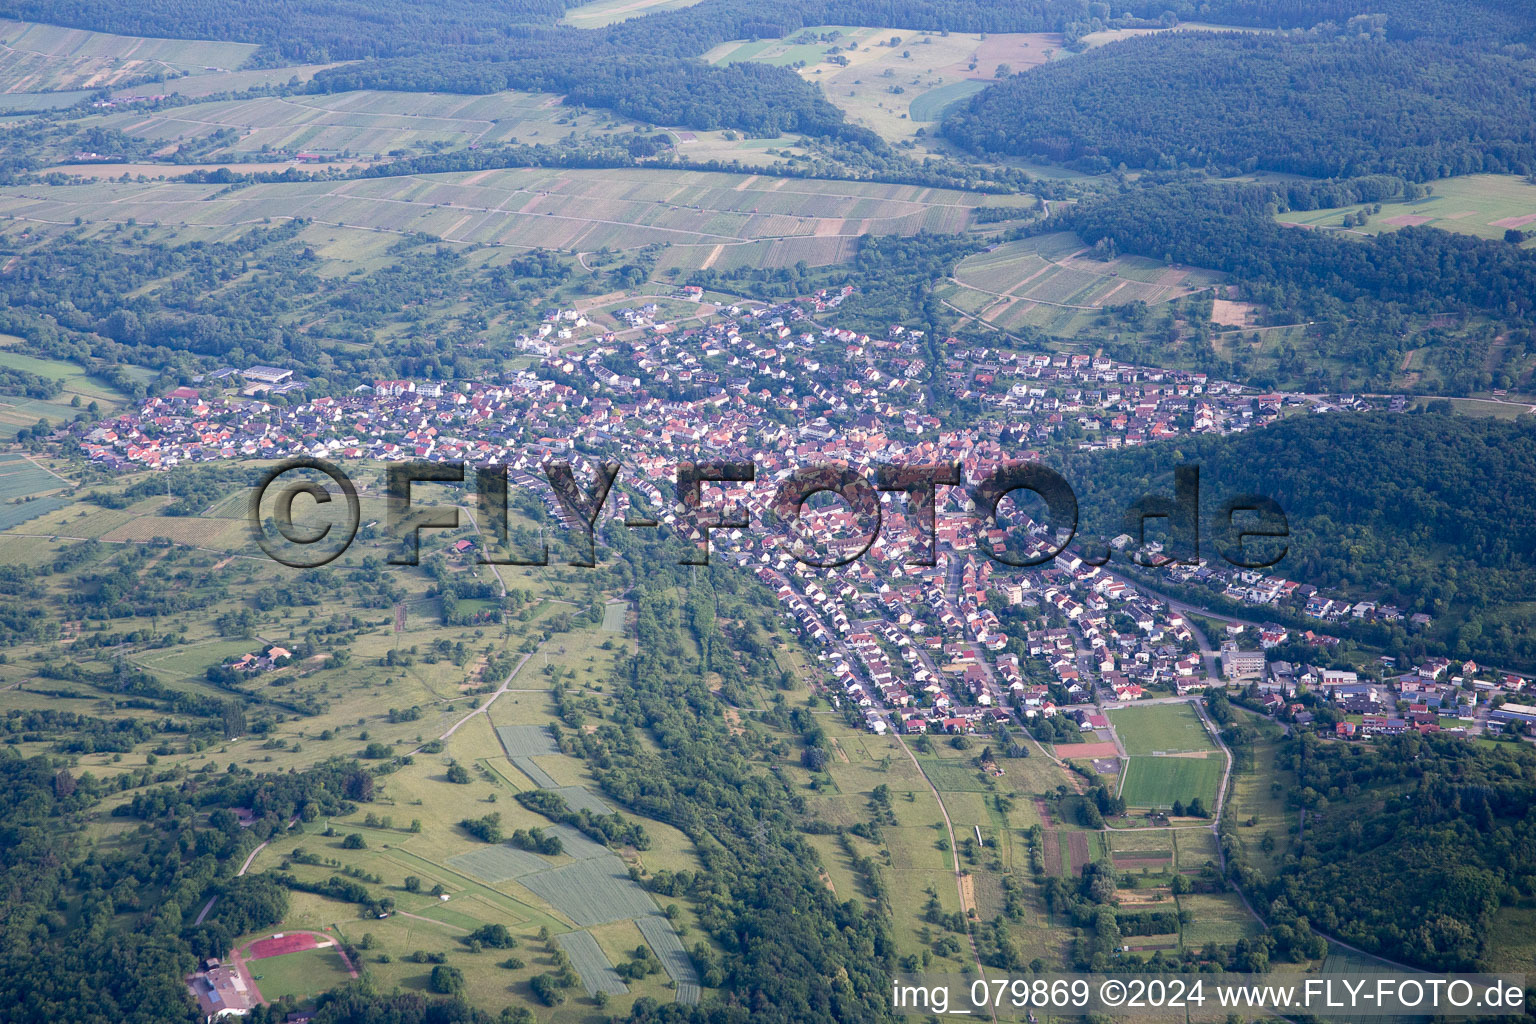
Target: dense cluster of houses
1433,696
923,635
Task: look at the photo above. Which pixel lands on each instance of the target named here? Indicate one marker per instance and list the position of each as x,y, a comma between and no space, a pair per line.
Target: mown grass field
300,976
1485,205
1160,729
1159,781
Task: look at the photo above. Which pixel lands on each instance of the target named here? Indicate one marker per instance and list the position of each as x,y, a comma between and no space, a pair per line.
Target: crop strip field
597,973
668,947
591,892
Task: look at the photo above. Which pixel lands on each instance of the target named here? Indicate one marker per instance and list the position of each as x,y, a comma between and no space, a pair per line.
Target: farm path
243,868
495,569
482,709
428,920
50,472
964,890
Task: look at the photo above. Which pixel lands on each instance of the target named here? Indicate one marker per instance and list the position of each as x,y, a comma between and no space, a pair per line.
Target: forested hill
1426,511
646,67
1232,228
322,30
1503,21
1436,824
1240,102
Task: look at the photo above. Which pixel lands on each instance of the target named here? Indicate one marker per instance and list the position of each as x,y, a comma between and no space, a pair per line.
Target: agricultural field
1484,205
697,217
77,393
368,125
1159,781
39,58
1051,282
592,964
74,378
1160,729
894,81
585,886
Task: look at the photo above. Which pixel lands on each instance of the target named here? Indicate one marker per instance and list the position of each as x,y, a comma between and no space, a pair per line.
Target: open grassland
1159,781
600,13
1160,729
1485,205
35,58
1216,917
73,376
78,391
700,216
365,123
1258,795
894,81
587,884
949,777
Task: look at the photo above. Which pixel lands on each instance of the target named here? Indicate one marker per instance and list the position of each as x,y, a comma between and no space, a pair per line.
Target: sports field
1160,729
1485,205
1159,781
300,976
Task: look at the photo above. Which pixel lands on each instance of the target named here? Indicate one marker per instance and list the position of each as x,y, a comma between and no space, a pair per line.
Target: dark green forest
1433,823
1235,103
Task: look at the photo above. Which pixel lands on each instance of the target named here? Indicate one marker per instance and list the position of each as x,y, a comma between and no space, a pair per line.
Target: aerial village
940,639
